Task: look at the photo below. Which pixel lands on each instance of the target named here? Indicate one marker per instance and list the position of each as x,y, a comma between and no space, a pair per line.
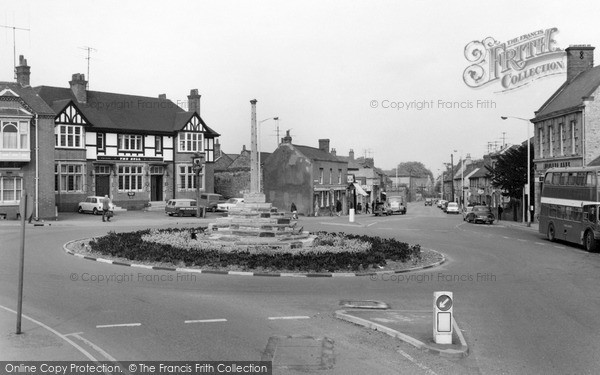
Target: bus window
548,178
592,216
564,177
556,178
580,179
571,178
591,179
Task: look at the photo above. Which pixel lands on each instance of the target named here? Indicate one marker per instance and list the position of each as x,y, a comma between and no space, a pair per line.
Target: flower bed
332,252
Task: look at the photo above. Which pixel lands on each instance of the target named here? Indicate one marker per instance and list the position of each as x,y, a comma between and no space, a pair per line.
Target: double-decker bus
569,206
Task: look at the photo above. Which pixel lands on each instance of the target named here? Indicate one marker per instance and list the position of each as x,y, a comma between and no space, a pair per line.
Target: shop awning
359,190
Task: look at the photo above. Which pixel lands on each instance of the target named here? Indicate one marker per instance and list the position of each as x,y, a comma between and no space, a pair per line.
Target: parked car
382,208
452,208
93,204
466,211
481,214
441,203
181,207
231,202
397,204
428,202
210,201
444,206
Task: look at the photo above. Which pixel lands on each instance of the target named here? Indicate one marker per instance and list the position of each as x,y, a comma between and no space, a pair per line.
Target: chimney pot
162,96
78,86
351,154
194,101
324,145
579,59
23,71
287,138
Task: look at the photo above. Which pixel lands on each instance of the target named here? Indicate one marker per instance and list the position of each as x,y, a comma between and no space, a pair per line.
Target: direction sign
26,206
442,317
444,302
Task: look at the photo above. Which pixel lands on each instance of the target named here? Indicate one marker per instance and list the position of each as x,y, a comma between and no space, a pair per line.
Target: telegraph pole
452,174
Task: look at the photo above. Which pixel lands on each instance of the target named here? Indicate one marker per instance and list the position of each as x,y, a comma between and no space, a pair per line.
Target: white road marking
539,243
419,365
518,239
508,238
205,321
64,337
119,325
373,223
288,317
93,346
560,247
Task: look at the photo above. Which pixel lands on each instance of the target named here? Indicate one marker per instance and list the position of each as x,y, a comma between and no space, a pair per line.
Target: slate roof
29,96
121,112
482,172
352,163
317,154
571,94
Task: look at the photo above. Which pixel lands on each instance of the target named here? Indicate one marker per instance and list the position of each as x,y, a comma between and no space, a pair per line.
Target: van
209,201
181,207
397,204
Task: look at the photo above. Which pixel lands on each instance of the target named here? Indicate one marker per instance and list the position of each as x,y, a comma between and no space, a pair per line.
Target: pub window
71,178
130,178
68,136
100,144
158,144
130,142
10,189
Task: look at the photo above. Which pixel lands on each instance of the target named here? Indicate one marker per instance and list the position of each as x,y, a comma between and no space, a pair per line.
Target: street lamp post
462,180
528,187
259,166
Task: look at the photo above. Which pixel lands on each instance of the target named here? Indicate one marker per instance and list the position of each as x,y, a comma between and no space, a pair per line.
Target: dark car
428,202
480,214
382,208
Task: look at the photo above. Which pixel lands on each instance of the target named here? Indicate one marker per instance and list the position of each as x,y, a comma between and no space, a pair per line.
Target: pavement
41,342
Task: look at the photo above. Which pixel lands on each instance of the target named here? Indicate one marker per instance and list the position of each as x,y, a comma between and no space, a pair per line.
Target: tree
510,173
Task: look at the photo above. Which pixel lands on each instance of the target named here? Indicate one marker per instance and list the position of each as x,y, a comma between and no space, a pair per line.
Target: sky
342,70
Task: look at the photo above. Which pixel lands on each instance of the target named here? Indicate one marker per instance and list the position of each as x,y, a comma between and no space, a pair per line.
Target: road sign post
442,317
25,211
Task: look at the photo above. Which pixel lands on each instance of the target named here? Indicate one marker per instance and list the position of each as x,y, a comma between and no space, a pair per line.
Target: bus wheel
551,233
590,241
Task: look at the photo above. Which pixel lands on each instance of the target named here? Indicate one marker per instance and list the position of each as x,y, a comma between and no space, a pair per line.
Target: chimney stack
324,145
351,154
162,96
287,138
194,101
78,86
23,71
579,59
333,152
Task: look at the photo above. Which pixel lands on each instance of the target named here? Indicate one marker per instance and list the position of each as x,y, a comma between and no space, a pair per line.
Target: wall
288,178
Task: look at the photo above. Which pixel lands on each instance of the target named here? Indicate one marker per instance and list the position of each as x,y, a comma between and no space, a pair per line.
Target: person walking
500,212
294,211
367,207
105,208
338,207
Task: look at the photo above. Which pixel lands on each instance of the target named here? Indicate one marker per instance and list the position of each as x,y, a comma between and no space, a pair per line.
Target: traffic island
412,327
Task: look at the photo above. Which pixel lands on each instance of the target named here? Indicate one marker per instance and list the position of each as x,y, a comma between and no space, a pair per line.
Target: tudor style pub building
135,149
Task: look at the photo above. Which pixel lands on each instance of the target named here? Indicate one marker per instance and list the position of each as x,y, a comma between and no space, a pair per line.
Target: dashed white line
560,247
519,239
508,238
419,365
539,243
288,317
206,321
119,325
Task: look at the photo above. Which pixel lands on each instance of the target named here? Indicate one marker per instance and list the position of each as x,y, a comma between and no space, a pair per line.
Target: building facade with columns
567,125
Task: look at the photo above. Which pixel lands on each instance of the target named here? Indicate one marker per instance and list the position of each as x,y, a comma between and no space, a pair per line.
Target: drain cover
300,352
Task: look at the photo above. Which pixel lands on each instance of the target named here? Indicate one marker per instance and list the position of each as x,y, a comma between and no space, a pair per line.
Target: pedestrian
105,208
367,208
359,207
373,207
500,212
338,207
294,211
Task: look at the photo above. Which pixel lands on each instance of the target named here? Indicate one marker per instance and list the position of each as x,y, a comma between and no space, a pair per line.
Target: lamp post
462,179
528,187
259,167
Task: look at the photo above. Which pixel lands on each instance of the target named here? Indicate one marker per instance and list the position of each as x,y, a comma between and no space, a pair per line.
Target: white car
452,208
93,204
230,203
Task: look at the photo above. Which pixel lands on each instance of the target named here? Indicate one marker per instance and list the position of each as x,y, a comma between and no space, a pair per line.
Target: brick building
232,173
26,147
312,178
136,149
567,125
